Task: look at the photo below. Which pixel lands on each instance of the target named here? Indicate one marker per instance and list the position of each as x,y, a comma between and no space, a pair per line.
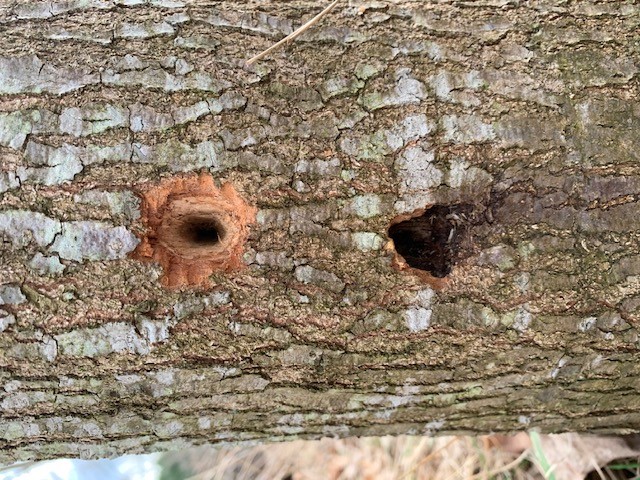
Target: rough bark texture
527,111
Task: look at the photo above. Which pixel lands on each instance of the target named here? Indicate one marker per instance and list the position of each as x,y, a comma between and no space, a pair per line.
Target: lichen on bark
526,110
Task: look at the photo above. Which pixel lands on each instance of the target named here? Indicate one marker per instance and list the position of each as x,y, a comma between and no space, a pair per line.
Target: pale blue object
129,467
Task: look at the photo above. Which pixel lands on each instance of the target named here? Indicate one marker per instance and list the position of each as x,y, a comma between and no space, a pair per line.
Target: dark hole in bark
202,232
431,241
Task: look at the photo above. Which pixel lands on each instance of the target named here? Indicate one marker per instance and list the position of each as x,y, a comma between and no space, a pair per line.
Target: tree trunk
144,306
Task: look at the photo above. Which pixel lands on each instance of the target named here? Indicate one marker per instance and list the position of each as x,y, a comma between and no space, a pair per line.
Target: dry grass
566,456
383,458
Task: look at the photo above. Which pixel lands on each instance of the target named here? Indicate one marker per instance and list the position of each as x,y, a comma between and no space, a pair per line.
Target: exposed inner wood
193,229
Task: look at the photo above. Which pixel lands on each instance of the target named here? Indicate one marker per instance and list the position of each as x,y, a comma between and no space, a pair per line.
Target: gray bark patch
86,240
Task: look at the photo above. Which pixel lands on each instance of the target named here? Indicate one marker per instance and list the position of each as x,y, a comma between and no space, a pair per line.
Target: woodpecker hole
431,241
202,231
194,228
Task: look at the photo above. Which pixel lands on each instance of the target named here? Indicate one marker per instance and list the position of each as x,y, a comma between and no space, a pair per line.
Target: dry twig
295,34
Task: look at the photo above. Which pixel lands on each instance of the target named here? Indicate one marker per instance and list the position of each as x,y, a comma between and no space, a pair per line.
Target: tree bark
516,122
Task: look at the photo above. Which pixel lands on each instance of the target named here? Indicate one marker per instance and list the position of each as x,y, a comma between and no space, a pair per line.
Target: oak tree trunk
494,141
